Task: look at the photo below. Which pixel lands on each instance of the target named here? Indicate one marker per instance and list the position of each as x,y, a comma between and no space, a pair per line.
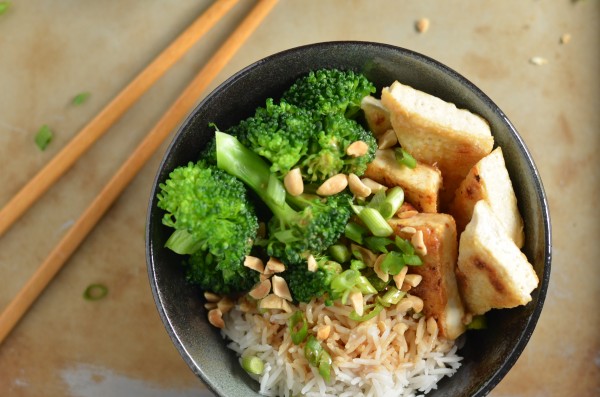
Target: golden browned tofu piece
437,132
376,115
438,289
489,180
492,272
421,184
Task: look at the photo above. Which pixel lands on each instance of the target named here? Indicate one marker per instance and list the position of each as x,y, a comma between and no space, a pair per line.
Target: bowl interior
488,355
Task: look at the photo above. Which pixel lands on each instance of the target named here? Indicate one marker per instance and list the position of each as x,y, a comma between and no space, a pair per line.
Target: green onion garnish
478,322
340,253
80,98
298,334
393,200
404,245
253,365
375,222
412,260
344,281
95,292
355,232
404,158
364,286
375,310
325,365
357,264
392,296
392,263
4,5
378,244
43,137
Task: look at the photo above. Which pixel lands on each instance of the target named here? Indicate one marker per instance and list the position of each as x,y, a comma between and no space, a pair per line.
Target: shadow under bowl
488,355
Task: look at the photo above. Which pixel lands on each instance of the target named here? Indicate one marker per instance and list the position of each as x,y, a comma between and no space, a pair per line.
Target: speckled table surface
52,50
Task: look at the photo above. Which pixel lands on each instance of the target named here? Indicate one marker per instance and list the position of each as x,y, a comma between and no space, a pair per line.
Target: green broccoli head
305,285
207,271
330,91
308,226
211,215
327,155
278,132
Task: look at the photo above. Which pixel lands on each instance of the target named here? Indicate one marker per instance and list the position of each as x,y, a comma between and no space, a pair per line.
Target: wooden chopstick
112,112
86,222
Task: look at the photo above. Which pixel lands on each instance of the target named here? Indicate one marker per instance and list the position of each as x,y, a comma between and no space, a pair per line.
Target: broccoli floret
278,132
330,91
299,226
305,285
213,221
327,154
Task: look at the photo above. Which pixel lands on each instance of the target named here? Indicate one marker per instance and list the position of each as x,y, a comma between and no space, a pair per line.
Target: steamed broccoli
305,285
330,91
299,226
327,155
278,132
291,136
214,222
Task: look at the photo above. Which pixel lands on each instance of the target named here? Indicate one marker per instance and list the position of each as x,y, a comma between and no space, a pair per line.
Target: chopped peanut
323,332
271,301
357,187
254,263
211,297
356,298
274,265
261,290
293,182
408,229
377,268
418,242
333,185
357,149
225,304
413,279
215,317
280,288
399,278
312,264
374,186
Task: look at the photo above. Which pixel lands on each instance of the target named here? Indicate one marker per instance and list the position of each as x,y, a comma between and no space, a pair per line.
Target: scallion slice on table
80,98
4,5
95,292
43,137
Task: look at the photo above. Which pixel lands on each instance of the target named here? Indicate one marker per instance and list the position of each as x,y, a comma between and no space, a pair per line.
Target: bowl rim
499,373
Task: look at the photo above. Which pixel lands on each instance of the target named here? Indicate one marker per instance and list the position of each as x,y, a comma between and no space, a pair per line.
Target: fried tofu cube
492,271
421,184
489,180
438,289
376,115
437,132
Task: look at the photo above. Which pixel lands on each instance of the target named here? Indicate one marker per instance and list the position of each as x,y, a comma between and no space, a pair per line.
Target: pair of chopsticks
104,120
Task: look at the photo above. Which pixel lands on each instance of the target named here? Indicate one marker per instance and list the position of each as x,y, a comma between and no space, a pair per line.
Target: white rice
393,354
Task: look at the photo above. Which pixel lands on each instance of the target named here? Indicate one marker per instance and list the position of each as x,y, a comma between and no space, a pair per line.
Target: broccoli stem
243,163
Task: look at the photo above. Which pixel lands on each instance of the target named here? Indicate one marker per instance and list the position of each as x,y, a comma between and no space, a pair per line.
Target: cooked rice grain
393,354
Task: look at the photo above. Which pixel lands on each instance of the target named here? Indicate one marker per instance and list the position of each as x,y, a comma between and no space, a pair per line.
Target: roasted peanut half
254,263
293,182
215,317
357,149
333,185
280,288
261,290
357,187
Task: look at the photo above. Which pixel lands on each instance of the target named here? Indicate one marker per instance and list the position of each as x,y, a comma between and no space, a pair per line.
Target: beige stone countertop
52,50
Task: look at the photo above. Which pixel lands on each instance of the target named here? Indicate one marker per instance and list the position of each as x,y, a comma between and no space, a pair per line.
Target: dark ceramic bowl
488,355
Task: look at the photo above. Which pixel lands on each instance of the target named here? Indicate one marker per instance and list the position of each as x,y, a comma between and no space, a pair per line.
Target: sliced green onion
357,264
276,190
253,365
298,334
183,243
312,350
80,98
325,365
375,222
405,246
344,281
478,322
378,244
392,263
364,286
4,5
340,253
95,292
377,200
392,296
355,232
393,200
375,310
376,282
356,208
412,260
43,137
404,158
